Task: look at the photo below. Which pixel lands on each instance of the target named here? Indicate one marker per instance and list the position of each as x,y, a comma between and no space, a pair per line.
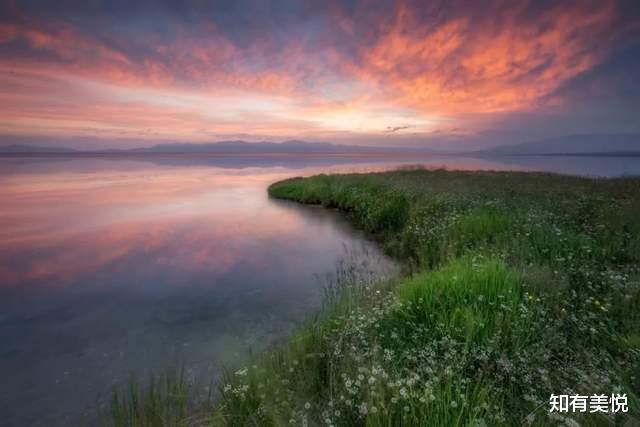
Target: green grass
163,403
516,286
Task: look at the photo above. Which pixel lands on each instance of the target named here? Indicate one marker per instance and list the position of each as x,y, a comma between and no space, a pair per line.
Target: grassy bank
517,286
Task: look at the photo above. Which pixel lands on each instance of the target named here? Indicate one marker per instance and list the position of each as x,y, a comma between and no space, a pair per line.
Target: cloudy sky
433,73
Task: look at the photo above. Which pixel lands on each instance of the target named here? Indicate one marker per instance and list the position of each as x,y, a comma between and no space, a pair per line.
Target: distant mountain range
223,147
25,148
575,144
243,147
588,144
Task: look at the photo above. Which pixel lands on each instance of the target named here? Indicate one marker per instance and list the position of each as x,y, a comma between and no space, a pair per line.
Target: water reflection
110,269
117,266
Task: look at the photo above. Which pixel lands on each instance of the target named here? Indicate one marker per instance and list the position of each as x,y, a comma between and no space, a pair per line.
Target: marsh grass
517,286
162,402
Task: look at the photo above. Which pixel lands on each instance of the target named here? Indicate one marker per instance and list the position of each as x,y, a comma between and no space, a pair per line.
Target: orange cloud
359,71
506,65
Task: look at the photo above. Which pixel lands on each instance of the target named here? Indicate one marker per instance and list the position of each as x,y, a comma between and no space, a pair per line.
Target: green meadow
514,286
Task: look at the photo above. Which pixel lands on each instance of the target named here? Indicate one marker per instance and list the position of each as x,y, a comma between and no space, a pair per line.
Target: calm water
113,267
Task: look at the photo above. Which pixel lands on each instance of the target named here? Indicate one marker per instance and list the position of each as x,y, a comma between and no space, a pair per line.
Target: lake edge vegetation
517,286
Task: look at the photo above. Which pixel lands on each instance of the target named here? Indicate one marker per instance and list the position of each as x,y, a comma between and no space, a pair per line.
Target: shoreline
512,282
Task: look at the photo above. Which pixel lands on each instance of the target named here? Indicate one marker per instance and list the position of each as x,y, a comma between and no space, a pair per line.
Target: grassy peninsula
516,286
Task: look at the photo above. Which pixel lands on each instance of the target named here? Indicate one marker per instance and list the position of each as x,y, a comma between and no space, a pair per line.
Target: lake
112,267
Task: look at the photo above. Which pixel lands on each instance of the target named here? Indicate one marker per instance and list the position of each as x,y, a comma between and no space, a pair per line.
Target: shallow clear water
113,267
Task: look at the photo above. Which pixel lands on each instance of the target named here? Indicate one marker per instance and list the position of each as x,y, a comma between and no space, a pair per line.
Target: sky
440,74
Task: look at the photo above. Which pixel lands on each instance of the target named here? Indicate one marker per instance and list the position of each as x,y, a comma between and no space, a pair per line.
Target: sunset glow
319,212
382,72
